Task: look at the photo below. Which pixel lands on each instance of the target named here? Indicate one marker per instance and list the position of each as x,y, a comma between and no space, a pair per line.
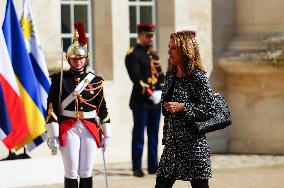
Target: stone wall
177,15
256,100
253,65
254,16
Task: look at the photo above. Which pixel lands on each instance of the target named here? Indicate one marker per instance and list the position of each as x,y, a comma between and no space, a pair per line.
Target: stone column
103,44
223,28
254,65
165,26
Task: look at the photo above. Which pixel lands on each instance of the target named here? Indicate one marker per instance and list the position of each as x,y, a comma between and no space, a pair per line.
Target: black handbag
220,120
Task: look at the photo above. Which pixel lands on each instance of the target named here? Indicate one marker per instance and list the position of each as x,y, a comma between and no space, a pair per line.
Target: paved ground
229,171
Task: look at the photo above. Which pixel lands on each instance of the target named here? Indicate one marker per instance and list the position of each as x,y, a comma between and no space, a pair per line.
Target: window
141,11
73,11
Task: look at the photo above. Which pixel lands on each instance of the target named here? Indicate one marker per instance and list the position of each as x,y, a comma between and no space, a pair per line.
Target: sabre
103,152
105,169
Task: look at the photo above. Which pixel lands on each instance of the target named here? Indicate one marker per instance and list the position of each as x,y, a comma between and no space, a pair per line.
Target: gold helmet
79,47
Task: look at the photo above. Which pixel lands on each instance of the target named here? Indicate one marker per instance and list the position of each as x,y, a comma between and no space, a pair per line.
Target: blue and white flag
38,64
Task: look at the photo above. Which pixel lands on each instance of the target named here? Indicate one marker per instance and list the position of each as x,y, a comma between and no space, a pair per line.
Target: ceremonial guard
78,121
145,72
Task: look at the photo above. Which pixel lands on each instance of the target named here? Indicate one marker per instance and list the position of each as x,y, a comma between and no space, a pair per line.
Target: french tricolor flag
13,124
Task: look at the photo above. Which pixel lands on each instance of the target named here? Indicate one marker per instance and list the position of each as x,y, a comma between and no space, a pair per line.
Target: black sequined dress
186,156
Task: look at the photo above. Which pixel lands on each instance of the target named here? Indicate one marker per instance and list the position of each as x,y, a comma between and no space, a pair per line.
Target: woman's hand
174,107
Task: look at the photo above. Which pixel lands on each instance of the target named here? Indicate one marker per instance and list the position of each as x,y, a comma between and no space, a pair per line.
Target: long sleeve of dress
166,96
203,105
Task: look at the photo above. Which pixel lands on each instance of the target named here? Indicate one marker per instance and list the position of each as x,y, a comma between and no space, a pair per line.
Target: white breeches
78,153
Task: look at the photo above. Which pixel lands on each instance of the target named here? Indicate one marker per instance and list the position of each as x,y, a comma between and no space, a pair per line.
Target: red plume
79,26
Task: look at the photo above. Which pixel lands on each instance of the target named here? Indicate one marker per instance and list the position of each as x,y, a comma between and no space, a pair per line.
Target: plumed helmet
79,48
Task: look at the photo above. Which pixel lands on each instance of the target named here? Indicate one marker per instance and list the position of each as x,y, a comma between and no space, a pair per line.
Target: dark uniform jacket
146,74
92,97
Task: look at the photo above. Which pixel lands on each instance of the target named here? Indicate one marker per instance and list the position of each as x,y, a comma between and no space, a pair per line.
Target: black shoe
152,171
138,173
86,182
70,183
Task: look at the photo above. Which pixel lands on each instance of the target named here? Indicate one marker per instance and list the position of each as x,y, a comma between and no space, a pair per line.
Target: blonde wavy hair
186,43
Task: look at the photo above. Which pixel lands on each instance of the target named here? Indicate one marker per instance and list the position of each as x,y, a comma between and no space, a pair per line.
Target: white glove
106,130
106,134
156,96
52,129
104,142
53,144
53,133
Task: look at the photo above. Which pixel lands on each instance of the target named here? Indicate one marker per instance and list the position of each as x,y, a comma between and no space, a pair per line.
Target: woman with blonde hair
187,96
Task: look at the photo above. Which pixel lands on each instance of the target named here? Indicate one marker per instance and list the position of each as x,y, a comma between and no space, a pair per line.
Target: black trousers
162,182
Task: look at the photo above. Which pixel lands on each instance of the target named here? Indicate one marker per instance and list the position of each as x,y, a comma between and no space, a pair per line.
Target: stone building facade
232,36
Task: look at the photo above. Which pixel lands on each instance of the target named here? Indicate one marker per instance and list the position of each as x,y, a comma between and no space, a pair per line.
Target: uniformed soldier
145,72
80,123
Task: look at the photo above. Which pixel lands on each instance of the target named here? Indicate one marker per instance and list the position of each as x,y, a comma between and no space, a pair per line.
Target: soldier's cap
146,28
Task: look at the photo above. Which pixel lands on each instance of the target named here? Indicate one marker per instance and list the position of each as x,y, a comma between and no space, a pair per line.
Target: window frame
137,4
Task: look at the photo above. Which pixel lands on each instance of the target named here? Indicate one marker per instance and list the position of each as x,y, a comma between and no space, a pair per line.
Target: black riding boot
70,183
86,182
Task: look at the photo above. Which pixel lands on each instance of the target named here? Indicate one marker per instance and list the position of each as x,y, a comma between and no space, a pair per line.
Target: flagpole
61,76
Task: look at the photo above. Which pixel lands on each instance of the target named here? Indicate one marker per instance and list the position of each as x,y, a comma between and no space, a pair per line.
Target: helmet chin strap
77,70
